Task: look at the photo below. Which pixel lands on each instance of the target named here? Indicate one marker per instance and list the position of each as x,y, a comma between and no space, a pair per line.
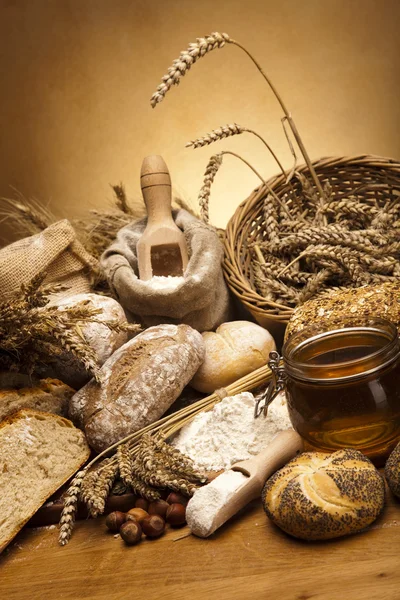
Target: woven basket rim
237,281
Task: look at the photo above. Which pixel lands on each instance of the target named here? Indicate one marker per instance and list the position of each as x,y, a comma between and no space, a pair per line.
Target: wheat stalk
70,507
218,40
186,59
229,130
204,195
169,425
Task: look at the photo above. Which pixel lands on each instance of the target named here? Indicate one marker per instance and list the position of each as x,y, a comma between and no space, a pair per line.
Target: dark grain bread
39,452
320,496
139,383
392,471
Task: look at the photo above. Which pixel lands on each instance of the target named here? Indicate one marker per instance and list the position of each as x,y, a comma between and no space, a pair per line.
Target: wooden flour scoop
257,470
162,249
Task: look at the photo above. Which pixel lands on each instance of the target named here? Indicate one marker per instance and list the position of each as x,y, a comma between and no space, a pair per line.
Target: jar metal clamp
276,385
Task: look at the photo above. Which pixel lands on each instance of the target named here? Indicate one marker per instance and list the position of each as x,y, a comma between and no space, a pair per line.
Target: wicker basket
368,175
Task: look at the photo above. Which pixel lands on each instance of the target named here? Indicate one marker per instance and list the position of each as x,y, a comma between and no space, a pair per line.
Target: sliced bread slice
48,395
39,452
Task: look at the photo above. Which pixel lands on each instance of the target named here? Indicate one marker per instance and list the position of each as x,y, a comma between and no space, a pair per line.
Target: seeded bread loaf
39,452
320,496
49,395
392,471
139,382
377,300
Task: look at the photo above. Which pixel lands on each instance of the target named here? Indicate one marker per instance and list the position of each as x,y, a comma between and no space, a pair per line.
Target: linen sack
201,300
54,251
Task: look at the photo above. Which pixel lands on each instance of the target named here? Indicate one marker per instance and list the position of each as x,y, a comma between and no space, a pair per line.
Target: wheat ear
204,195
186,59
217,40
229,130
212,169
70,508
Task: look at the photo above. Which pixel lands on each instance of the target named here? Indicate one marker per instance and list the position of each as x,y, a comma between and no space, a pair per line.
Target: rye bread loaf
139,383
49,395
39,452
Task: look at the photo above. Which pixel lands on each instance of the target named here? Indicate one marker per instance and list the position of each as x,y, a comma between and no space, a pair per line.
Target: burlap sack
201,300
56,252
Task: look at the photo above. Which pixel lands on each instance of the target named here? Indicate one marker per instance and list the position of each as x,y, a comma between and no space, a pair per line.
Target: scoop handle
279,451
155,182
283,448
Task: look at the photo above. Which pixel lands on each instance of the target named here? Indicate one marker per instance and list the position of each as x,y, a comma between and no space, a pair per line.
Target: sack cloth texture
201,300
54,251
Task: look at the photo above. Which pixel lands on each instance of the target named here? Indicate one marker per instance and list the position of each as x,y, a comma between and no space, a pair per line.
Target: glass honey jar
342,385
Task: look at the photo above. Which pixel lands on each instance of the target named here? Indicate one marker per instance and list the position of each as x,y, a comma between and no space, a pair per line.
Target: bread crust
138,383
49,395
22,414
392,471
322,496
235,349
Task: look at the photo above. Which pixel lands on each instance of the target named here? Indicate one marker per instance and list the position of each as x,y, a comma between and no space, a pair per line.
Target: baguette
39,452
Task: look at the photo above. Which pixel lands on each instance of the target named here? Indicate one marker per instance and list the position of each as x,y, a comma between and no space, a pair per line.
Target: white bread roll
319,496
234,350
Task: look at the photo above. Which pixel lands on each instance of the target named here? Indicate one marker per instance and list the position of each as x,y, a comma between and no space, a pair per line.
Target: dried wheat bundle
144,461
26,215
31,331
310,239
346,243
96,231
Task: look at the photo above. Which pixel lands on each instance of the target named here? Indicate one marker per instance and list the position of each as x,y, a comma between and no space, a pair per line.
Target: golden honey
343,386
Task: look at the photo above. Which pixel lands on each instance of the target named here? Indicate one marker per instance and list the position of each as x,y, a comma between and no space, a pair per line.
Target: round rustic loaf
234,350
392,471
139,382
319,496
380,300
103,340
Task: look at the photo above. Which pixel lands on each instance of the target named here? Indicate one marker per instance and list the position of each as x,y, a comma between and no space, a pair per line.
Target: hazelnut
176,514
153,526
114,520
175,498
142,503
158,507
131,532
138,514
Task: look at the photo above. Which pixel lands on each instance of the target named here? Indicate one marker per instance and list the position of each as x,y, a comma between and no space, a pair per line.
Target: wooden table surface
248,558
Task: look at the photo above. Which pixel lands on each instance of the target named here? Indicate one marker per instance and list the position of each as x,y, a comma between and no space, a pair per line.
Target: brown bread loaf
139,383
392,471
49,395
319,496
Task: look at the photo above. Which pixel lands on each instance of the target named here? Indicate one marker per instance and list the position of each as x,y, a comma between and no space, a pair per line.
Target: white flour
207,501
159,282
228,433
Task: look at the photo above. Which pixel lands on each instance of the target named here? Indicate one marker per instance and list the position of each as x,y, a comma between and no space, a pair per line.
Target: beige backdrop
77,75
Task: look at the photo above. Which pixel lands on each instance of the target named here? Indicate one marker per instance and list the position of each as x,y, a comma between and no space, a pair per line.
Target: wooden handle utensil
257,470
162,249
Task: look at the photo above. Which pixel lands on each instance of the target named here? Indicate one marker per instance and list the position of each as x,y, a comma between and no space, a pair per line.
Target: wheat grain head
185,60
